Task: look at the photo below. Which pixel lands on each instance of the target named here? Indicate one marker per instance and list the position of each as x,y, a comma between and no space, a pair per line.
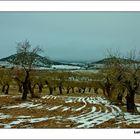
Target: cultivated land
39,93
101,95
73,110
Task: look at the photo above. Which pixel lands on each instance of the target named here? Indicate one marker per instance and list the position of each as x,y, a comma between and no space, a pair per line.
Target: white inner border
69,6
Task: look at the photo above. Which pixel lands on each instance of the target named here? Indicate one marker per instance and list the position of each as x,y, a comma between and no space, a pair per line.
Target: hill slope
41,61
107,60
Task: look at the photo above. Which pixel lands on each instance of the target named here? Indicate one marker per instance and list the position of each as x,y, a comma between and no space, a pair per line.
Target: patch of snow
23,117
6,64
66,108
39,107
23,105
65,67
4,95
9,107
92,118
34,120
49,97
29,105
69,101
54,108
85,104
3,116
130,118
106,111
95,116
138,107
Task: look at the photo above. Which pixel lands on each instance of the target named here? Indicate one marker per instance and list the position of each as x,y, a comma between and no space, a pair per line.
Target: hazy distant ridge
46,62
41,61
107,60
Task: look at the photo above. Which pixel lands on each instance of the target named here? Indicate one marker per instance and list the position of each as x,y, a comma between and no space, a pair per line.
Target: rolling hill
41,62
111,59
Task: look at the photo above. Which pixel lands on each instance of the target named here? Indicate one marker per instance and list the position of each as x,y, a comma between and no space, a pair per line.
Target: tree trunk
31,89
108,87
79,89
19,88
60,89
131,95
7,88
84,90
119,98
95,90
3,88
54,88
130,102
108,92
25,86
89,90
51,90
40,86
68,90
72,89
25,91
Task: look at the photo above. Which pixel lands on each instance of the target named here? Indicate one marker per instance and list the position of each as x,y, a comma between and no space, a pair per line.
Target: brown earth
54,121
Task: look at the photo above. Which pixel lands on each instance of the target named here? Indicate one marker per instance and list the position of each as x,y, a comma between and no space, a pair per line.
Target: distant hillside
41,61
107,60
48,63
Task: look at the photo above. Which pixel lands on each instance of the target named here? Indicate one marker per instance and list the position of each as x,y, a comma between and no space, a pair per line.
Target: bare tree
132,81
124,75
5,79
26,58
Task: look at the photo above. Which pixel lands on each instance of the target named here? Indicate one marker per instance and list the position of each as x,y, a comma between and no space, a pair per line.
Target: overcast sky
70,35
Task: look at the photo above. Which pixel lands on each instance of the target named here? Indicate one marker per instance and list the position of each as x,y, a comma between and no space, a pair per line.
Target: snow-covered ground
21,119
65,67
6,64
99,111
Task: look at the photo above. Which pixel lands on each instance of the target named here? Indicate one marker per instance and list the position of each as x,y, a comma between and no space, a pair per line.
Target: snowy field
63,112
